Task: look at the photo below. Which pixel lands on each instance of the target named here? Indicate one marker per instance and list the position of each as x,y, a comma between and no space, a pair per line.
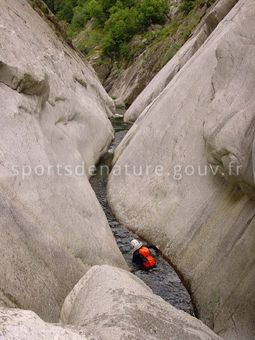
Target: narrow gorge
163,280
164,157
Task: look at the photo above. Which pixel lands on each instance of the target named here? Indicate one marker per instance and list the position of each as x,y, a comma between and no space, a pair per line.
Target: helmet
136,244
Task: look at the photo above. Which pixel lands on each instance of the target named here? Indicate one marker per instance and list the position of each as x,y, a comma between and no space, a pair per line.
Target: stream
163,280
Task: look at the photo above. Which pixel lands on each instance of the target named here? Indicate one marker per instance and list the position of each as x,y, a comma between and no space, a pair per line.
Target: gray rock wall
17,324
214,16
107,303
114,304
53,113
203,223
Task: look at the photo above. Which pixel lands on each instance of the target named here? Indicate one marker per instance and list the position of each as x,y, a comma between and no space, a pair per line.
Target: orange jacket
148,261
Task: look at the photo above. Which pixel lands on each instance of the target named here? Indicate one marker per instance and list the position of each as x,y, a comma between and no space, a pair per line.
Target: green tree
114,21
120,28
95,10
64,9
187,6
153,12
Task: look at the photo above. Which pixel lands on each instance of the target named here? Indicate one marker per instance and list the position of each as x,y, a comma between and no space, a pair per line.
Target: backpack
149,261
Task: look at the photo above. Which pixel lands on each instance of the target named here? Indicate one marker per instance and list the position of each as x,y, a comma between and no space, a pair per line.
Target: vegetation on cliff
109,27
113,23
115,35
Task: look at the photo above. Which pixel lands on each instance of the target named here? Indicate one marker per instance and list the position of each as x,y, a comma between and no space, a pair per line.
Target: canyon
62,273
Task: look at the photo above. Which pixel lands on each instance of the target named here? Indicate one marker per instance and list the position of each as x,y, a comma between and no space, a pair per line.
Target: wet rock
163,280
122,306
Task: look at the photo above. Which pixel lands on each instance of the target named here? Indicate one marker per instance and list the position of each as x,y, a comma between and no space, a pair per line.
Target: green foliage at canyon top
114,22
121,30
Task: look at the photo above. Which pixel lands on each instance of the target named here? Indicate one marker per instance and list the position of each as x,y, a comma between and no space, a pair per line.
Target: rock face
164,77
123,307
197,138
126,85
54,126
24,325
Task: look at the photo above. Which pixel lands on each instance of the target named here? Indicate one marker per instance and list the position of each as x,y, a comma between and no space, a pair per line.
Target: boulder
16,324
114,304
54,127
210,21
184,175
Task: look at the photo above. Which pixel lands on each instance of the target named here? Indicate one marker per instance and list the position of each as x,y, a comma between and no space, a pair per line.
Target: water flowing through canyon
163,280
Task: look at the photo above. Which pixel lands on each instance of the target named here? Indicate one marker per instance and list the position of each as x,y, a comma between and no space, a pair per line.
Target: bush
125,22
153,12
187,6
118,20
108,45
89,41
95,10
120,28
64,9
80,17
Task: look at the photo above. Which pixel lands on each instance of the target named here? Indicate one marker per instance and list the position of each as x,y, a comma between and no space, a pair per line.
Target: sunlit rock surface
53,113
214,16
203,223
16,324
114,304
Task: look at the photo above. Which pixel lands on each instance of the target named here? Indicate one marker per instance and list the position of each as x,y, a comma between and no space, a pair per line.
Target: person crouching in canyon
142,255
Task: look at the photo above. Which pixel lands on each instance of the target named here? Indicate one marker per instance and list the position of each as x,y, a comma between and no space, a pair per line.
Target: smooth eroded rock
114,304
213,17
54,126
202,219
16,324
